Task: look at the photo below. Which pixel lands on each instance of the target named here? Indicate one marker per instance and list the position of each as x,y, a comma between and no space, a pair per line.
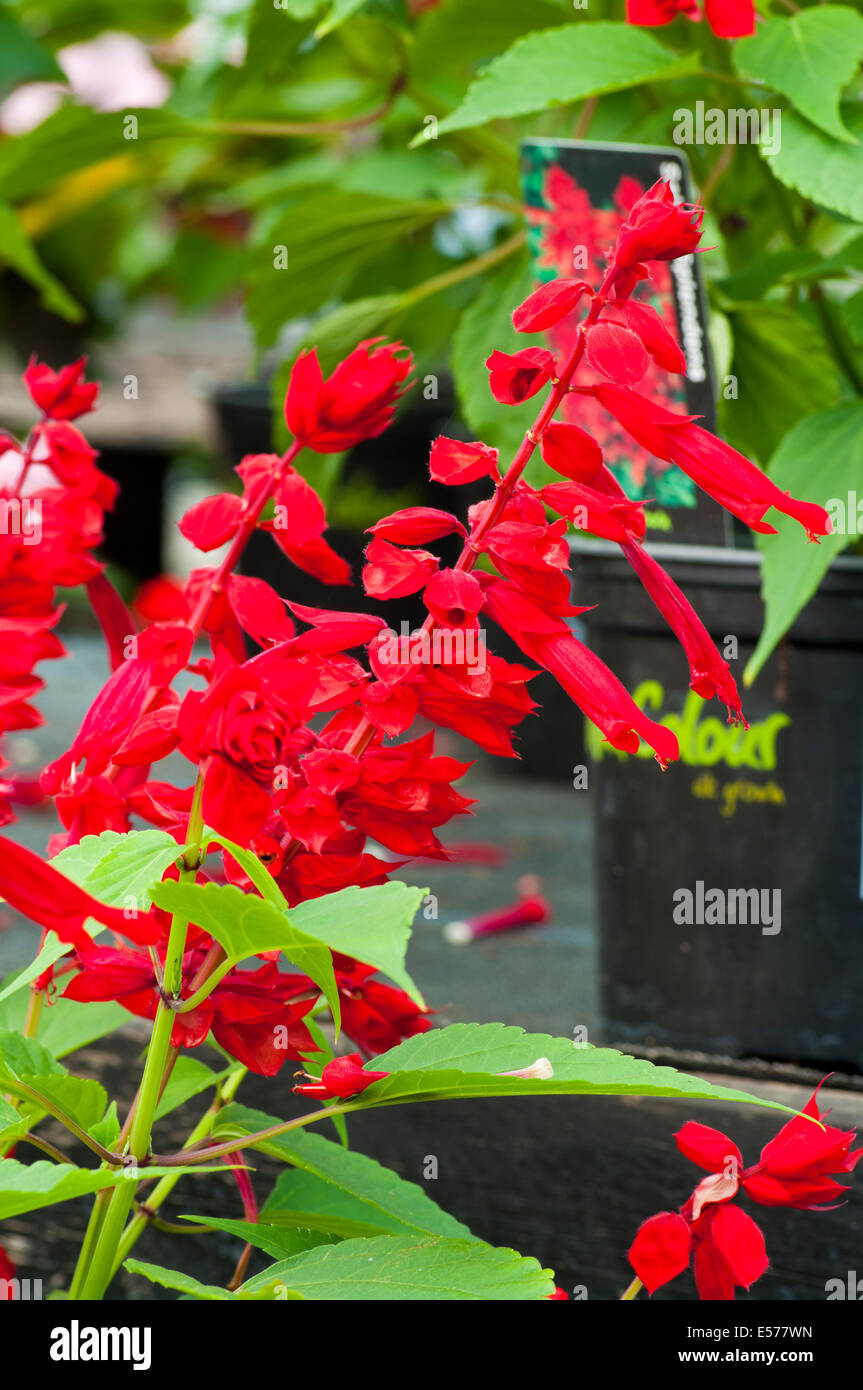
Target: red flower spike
341,1079
357,401
515,377
451,461
60,395
46,896
548,305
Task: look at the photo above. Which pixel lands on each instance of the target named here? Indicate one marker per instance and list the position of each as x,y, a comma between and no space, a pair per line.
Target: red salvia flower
657,229
60,395
46,896
341,1079
729,19
357,401
515,377
452,461
725,1244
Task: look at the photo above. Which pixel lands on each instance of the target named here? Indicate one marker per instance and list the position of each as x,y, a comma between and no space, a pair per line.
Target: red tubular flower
46,896
7,1273
213,521
571,451
709,674
548,305
451,461
236,729
646,323
515,377
454,598
729,477
615,518
393,573
657,228
616,352
341,1079
416,526
60,395
726,1245
357,401
587,680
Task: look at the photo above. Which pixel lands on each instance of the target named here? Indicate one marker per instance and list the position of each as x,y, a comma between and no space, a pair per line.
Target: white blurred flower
110,73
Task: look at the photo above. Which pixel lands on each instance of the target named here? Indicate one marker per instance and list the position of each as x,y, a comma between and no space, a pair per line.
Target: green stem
166,1185
101,1267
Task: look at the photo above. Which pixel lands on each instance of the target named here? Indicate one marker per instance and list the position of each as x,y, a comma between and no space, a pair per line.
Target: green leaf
27,1187
465,1060
821,459
809,57
82,1098
188,1078
337,1190
390,1268
186,1284
12,1125
245,925
328,237
340,10
371,924
828,171
17,251
20,1056
107,1130
481,29
78,862
277,1241
66,1025
131,866
22,58
784,370
564,65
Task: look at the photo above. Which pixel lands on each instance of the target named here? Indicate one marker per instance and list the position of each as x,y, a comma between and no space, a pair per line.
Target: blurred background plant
276,172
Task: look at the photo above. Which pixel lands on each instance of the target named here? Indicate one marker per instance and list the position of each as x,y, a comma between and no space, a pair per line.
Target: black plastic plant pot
730,886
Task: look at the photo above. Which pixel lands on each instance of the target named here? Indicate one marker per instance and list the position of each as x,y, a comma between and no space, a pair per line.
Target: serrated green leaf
277,1241
466,1060
245,925
828,171
131,866
821,459
20,1056
337,1190
563,65
371,924
809,57
186,1284
17,251
784,370
82,1098
27,1187
391,1268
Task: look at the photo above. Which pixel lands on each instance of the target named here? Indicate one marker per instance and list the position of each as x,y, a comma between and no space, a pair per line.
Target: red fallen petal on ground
616,353
452,461
213,521
709,1148
661,1249
571,451
416,526
393,573
548,305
